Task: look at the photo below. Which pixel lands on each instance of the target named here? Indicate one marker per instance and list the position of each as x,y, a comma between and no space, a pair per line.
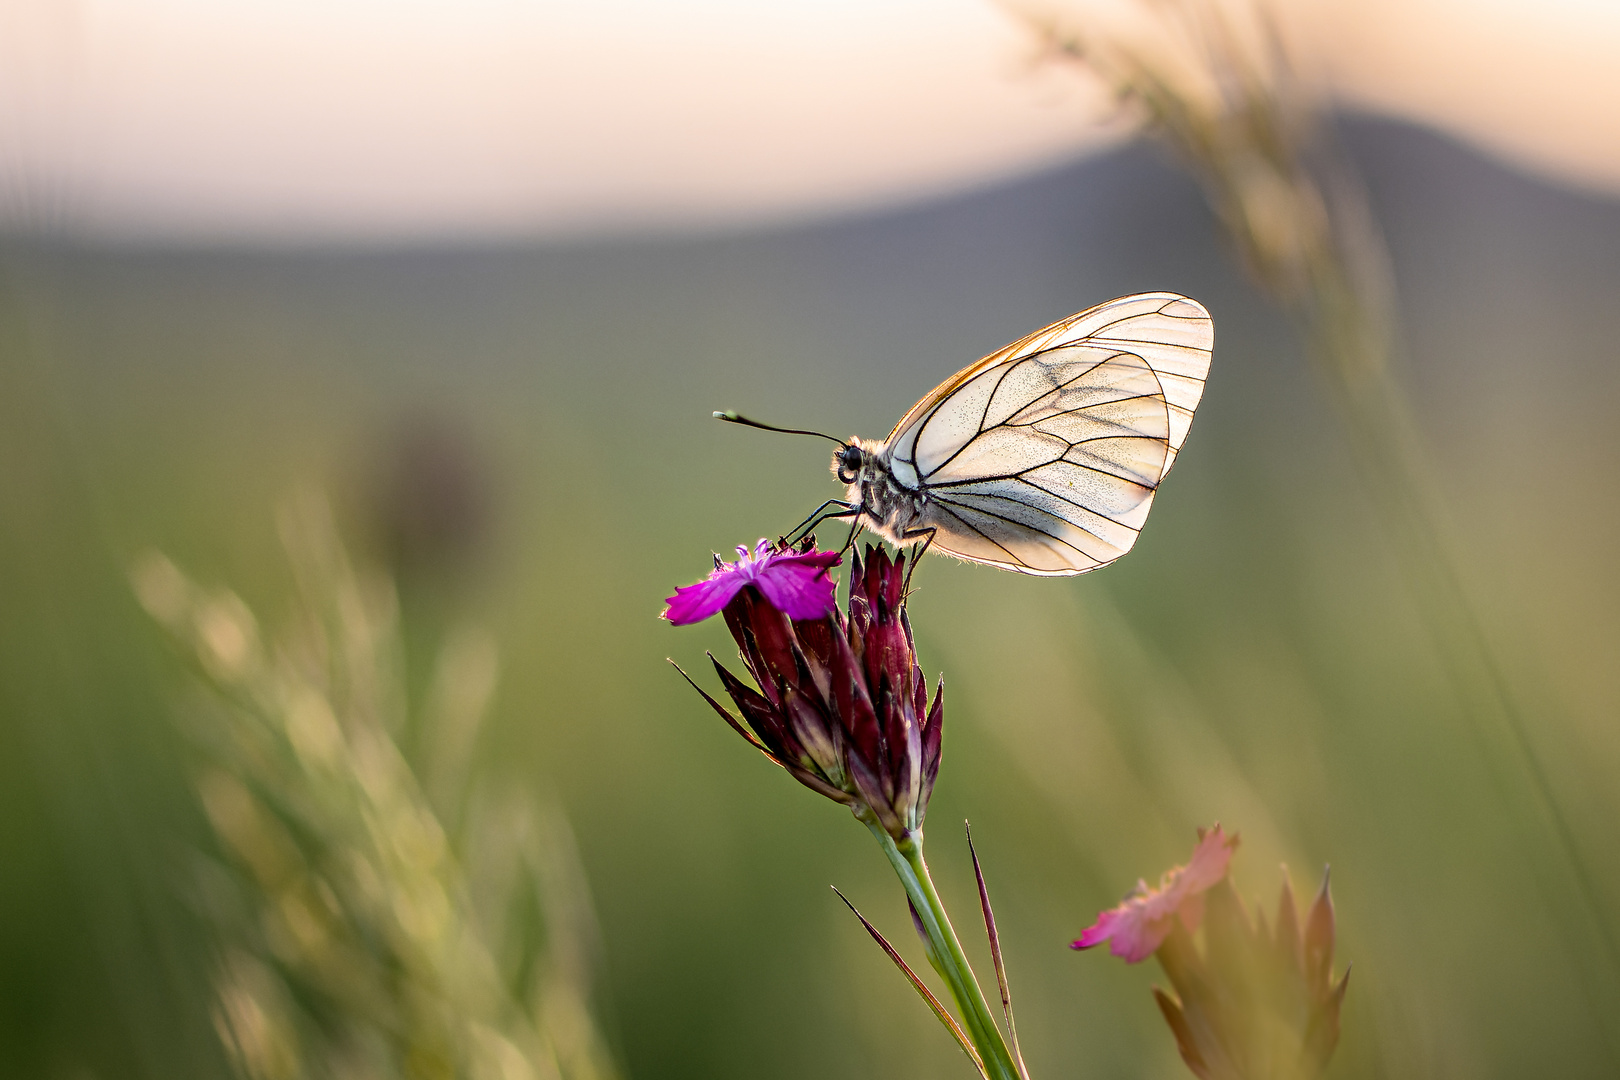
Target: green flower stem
945,952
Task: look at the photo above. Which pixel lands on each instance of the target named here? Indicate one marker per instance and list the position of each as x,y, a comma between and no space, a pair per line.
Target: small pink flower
794,582
840,703
1139,925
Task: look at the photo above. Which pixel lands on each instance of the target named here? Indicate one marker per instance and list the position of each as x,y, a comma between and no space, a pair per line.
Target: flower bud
1255,1002
841,703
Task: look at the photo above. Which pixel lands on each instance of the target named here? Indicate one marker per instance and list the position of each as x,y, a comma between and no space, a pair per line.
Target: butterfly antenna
732,418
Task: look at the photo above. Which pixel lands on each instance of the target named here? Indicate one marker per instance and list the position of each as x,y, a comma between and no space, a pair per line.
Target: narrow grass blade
995,954
921,988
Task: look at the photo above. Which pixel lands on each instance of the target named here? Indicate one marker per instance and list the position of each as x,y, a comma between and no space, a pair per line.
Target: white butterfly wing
1044,457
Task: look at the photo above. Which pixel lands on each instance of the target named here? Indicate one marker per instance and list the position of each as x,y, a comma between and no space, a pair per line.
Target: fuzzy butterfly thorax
889,508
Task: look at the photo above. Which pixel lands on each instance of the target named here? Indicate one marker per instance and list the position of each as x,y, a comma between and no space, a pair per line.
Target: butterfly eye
849,464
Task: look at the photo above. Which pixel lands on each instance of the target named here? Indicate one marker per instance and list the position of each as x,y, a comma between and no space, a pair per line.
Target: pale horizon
257,121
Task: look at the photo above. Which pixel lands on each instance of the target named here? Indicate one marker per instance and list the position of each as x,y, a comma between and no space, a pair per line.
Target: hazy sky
387,118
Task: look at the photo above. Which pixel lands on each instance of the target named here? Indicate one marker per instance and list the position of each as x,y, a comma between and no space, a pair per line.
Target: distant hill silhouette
1506,284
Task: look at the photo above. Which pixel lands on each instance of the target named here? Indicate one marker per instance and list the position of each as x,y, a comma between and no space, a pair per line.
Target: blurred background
477,274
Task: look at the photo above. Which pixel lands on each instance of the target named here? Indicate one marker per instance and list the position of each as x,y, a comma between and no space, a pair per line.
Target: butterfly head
858,461
848,462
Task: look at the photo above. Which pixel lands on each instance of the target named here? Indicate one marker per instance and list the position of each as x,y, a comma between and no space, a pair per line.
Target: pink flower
1257,998
1139,925
794,582
841,703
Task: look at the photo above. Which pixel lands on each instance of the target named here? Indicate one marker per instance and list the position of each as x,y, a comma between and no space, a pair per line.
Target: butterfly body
896,511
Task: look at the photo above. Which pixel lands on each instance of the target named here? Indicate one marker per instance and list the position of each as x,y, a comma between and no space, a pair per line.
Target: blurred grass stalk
1216,84
373,919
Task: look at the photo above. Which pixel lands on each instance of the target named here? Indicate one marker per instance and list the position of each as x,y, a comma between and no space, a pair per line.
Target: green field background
1257,660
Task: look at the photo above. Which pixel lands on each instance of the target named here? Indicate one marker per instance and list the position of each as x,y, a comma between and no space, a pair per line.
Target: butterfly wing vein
1044,457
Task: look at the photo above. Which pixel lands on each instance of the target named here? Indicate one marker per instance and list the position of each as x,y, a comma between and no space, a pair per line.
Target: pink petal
795,583
1097,932
1137,927
1133,931
1134,934
1138,939
1209,861
798,585
694,603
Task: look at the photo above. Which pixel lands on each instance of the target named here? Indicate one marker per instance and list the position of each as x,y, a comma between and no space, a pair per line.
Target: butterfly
1043,457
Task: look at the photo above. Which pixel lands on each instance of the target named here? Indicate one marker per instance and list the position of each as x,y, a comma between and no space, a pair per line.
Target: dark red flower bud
841,702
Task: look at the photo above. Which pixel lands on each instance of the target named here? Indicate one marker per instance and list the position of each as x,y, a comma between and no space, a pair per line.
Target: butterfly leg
855,528
806,527
914,534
